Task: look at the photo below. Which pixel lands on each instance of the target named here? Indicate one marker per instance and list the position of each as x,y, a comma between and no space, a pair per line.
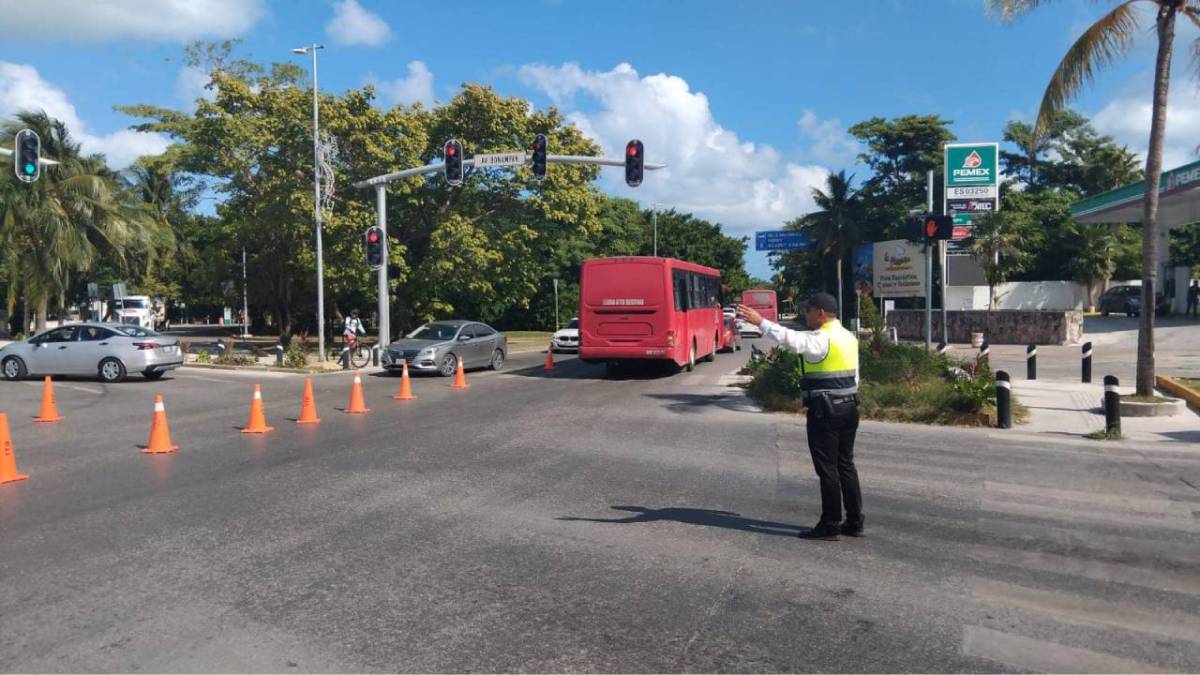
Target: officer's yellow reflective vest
837,373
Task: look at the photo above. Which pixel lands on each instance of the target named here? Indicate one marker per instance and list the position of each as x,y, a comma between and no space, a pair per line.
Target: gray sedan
436,348
108,351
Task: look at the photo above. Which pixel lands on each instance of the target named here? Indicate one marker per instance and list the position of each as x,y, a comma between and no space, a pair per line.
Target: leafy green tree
1100,45
1094,257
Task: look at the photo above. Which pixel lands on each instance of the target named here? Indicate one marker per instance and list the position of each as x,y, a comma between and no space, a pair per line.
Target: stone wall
1008,326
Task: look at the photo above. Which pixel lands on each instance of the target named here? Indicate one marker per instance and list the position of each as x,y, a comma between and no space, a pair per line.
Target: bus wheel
691,364
712,356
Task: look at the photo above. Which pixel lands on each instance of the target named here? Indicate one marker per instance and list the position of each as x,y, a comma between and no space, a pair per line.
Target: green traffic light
30,169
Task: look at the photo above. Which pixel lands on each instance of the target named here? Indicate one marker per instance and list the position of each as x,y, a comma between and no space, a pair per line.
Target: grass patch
898,383
1104,435
1144,399
521,340
1189,382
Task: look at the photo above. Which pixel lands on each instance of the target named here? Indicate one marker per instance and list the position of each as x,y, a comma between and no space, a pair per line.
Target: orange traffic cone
308,406
160,434
358,405
258,421
405,387
460,378
8,463
549,360
49,405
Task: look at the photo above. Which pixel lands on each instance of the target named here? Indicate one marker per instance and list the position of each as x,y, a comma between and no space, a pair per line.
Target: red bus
649,309
763,300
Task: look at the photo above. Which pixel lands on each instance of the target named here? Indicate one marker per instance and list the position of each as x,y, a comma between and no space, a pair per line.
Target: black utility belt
835,400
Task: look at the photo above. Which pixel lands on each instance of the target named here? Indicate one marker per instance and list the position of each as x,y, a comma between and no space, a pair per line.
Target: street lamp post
655,219
312,49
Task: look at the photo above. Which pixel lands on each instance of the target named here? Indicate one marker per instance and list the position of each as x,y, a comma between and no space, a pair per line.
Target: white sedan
748,329
567,339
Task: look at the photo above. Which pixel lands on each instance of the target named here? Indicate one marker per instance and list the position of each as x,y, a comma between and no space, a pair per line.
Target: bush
231,359
296,354
203,356
898,382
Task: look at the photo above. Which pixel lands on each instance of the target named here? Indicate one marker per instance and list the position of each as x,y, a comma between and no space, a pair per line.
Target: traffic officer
829,358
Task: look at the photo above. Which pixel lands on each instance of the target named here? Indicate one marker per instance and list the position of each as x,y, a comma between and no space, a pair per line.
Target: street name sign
499,159
781,240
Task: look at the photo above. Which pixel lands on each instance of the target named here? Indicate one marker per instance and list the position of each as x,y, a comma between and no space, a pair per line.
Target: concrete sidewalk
1070,408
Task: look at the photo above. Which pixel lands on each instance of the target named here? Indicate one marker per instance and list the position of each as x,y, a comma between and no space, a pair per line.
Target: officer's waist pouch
824,404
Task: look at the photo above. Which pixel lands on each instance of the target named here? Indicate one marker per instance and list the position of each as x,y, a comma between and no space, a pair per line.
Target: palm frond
1007,10
1102,44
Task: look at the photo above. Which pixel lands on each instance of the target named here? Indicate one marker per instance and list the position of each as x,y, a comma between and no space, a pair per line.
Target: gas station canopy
1178,201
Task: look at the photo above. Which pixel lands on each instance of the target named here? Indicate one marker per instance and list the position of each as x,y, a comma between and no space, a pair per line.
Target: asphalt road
569,522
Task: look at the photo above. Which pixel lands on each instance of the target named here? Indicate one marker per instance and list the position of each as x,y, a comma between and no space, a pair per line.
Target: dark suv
1127,300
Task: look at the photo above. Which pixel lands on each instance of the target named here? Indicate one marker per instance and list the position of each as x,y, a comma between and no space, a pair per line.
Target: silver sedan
105,350
436,348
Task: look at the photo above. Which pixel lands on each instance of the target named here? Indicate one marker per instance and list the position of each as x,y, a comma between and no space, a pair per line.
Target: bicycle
360,354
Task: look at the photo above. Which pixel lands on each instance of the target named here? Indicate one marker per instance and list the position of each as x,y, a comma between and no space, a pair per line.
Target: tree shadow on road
700,403
727,520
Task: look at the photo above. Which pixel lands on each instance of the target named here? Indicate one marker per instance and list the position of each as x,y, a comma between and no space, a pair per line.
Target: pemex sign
973,164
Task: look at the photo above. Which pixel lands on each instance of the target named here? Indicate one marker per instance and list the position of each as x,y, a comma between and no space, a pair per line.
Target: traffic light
634,159
539,157
935,228
27,155
374,240
452,155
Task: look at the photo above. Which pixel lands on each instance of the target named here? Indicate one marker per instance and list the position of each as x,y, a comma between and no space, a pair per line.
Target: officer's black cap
823,301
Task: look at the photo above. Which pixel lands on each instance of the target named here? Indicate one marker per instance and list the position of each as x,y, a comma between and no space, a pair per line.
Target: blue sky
748,102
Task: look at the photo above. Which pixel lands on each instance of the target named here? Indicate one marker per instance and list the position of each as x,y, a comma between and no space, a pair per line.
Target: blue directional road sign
781,240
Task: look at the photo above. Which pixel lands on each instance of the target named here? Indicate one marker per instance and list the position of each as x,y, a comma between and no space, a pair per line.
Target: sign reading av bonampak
499,159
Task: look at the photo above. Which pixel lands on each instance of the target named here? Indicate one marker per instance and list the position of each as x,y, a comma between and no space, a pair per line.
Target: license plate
170,349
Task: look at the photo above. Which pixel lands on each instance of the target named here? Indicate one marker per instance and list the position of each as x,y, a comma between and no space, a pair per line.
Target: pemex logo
973,171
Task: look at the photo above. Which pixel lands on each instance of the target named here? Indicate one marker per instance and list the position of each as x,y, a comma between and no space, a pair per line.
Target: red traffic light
373,236
931,228
450,150
632,150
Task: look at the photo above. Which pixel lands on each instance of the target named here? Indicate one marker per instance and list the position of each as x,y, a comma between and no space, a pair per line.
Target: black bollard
345,358
983,352
1112,406
375,355
942,347
1087,362
220,349
1031,362
1003,401
279,355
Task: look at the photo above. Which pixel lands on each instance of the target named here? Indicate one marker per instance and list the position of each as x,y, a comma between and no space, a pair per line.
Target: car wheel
1104,312
691,364
497,360
448,366
14,368
112,370
154,374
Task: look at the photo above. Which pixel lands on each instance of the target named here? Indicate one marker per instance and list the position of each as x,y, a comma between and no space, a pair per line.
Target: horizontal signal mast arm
606,161
43,160
434,168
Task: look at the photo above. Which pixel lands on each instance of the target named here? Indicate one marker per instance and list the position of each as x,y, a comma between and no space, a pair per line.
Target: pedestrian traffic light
452,155
27,155
374,240
935,228
634,160
539,157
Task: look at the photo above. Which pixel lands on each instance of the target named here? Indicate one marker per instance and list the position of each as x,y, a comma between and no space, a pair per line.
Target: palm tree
1100,45
62,224
996,246
835,228
1094,258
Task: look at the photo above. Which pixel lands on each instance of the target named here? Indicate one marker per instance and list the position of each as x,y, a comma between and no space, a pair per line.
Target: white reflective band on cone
257,394
1110,388
159,407
357,380
1003,385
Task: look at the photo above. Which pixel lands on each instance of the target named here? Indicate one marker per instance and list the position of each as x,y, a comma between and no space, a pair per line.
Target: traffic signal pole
928,267
385,327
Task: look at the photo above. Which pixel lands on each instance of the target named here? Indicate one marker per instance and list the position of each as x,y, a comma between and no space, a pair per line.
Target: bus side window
680,280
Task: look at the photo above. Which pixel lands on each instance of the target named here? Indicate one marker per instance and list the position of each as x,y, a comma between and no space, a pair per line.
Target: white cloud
157,20
191,84
710,172
828,141
353,25
1128,121
22,88
416,88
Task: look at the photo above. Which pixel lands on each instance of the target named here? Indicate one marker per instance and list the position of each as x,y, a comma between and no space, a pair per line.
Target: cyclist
352,329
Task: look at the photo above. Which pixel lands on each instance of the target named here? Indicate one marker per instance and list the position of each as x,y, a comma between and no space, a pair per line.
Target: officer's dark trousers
831,442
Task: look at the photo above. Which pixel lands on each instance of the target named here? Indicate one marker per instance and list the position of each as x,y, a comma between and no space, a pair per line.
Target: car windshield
434,331
127,303
134,331
574,323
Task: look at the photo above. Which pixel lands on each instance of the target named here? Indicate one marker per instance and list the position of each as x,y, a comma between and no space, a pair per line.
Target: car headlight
428,351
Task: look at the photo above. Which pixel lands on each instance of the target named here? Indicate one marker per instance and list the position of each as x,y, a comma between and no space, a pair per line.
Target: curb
265,369
1177,390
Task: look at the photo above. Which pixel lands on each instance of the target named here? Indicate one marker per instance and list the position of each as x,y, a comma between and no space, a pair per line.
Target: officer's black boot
852,526
823,531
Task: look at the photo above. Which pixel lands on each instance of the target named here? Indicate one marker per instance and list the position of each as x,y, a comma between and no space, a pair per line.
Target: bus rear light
670,338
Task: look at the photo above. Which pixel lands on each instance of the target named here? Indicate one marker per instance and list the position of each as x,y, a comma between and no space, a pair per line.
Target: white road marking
1022,653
